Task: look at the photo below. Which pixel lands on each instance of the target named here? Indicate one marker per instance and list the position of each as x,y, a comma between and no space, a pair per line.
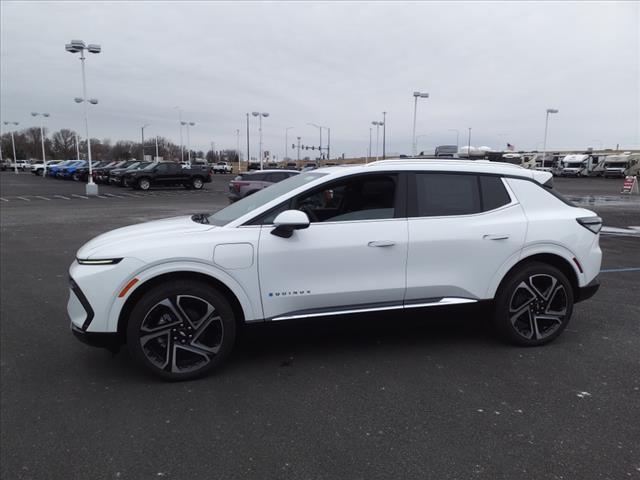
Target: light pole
457,136
44,158
238,147
143,127
248,152
260,115
384,135
369,152
378,125
416,95
286,141
157,155
77,148
181,142
13,145
546,126
188,124
469,145
74,47
299,149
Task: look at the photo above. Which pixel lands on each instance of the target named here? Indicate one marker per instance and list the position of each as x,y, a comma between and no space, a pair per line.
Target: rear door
462,228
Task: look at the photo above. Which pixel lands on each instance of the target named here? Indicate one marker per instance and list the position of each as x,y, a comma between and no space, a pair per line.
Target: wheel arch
138,292
554,259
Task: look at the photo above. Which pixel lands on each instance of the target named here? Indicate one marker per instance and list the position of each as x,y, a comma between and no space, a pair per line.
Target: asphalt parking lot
381,396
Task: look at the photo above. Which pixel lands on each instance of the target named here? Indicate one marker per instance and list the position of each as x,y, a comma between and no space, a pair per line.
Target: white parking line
113,195
23,198
4,199
101,196
79,196
43,198
62,196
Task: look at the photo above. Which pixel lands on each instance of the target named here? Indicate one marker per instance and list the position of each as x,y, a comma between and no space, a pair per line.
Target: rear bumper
588,291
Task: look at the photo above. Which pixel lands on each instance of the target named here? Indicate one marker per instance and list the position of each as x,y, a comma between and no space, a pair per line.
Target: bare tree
64,144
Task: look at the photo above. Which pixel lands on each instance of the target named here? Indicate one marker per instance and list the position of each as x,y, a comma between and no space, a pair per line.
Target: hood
118,243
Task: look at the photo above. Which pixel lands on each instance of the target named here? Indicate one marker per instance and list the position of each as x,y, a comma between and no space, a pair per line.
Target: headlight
98,261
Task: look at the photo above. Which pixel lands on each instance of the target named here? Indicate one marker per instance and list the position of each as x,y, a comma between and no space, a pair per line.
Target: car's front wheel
181,330
144,184
534,305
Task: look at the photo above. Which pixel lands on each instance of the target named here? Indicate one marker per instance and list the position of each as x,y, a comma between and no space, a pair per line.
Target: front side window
367,197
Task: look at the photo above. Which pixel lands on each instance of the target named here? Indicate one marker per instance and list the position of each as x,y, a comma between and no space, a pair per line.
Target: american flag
510,147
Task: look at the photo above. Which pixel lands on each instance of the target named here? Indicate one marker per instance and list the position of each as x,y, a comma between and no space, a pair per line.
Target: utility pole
328,143
369,153
299,149
469,145
157,147
384,135
248,157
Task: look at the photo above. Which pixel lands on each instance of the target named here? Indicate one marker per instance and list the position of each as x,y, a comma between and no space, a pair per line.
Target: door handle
495,236
381,243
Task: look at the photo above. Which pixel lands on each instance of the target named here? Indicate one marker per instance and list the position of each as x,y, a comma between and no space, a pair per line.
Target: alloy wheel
144,184
538,306
197,183
181,334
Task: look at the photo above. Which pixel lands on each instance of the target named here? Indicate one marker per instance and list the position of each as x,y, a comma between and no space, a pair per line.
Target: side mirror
288,221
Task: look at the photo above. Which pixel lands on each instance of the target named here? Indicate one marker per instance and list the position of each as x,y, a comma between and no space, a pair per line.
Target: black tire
533,305
76,177
184,306
143,184
197,183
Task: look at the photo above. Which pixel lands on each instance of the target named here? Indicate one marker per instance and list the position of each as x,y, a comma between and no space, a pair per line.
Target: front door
352,258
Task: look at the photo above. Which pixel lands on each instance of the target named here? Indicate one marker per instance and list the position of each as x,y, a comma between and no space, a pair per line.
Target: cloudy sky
495,67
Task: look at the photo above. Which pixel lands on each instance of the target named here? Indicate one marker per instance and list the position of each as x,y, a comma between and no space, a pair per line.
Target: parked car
101,175
20,164
68,171
168,173
223,167
117,175
391,235
291,166
251,182
38,168
82,173
53,171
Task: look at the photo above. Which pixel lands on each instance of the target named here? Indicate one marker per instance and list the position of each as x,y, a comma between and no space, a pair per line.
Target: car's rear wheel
181,330
76,177
533,305
197,183
144,184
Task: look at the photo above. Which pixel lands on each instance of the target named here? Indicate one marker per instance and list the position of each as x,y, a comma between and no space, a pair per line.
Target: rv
576,166
450,151
622,165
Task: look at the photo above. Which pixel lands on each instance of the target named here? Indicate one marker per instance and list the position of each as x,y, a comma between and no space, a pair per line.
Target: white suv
392,235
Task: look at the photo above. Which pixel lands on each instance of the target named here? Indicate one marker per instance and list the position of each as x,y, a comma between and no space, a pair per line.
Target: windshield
247,204
132,166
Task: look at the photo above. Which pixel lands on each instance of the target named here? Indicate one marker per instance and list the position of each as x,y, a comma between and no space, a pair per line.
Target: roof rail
453,161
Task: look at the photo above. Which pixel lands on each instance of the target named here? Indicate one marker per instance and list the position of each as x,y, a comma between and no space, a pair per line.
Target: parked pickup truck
168,173
223,167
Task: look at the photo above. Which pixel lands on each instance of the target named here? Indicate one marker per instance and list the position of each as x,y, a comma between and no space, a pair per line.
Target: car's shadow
361,336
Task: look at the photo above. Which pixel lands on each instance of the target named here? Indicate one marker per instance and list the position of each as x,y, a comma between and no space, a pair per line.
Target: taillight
591,223
237,185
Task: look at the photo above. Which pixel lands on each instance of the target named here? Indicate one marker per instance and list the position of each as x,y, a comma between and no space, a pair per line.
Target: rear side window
276,177
254,177
494,195
440,194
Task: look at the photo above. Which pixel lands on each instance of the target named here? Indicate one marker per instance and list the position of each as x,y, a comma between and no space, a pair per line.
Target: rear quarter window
494,193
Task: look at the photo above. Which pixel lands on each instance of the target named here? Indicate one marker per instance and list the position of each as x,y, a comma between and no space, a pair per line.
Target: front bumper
110,341
588,291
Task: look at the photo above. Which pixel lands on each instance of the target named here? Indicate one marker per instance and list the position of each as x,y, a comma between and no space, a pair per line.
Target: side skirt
351,309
